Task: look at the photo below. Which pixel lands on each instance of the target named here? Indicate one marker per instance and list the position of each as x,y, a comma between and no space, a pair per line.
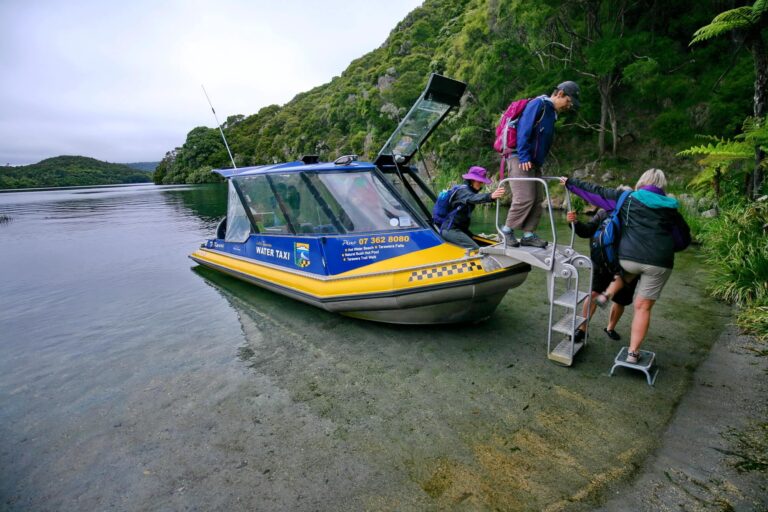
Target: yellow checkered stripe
448,270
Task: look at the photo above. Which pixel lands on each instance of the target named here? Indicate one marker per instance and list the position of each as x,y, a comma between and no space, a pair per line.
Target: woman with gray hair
652,230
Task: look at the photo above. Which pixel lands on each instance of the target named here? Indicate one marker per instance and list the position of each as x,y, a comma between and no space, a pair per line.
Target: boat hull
453,299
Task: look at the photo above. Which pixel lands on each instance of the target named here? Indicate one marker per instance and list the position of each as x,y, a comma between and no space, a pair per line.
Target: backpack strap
624,195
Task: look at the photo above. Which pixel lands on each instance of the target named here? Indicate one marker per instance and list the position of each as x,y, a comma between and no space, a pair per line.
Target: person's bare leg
640,322
617,310
589,305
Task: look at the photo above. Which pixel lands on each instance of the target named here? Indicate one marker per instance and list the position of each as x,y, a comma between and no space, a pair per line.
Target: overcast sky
120,81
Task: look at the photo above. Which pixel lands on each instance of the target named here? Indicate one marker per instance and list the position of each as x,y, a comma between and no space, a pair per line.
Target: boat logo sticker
448,270
301,254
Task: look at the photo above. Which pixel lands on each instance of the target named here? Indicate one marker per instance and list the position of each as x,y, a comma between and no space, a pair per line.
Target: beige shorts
652,278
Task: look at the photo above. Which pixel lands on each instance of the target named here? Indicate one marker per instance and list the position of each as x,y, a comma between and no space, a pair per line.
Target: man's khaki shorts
651,278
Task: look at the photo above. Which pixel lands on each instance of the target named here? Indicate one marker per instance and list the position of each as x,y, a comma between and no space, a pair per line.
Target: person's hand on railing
563,180
499,192
526,166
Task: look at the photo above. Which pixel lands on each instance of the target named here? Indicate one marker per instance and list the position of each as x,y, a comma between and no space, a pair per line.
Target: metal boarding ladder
567,271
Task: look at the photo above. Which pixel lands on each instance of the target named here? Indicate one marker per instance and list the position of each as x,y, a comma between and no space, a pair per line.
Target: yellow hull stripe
374,279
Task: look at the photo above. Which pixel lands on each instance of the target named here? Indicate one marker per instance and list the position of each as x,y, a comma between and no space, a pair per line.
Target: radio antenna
219,125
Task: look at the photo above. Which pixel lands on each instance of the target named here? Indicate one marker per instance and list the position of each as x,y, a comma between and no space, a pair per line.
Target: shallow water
132,379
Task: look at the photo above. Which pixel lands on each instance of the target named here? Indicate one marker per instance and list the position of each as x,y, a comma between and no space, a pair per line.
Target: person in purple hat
463,202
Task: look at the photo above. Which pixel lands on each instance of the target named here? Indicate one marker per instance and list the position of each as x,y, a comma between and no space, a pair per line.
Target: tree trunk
604,88
607,113
601,133
614,128
760,105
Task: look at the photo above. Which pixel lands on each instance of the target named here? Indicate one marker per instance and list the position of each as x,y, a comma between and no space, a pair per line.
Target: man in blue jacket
535,131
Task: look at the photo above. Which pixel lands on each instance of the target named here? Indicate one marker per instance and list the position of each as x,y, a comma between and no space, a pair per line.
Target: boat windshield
323,203
420,121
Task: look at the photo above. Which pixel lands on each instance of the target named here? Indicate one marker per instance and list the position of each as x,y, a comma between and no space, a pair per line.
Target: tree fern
741,17
719,158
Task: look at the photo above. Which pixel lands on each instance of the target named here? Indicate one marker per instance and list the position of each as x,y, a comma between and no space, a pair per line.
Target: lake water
130,379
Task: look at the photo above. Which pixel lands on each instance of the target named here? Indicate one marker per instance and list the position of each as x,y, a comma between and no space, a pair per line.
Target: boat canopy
318,201
441,94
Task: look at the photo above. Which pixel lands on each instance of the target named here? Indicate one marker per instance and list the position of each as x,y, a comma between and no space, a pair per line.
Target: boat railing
543,180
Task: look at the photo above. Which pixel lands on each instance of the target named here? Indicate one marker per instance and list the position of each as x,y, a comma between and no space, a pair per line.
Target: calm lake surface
132,380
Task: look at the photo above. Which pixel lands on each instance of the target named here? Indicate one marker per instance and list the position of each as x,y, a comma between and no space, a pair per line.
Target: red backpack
506,130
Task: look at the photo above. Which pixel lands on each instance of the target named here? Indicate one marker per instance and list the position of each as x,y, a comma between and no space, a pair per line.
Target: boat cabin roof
298,166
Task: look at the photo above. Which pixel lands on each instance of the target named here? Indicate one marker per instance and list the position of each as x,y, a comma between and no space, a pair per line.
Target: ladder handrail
543,181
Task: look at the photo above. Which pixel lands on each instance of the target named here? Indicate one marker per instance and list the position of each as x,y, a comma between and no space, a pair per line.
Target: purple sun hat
477,173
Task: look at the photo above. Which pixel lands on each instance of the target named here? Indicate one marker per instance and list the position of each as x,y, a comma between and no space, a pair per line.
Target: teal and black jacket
652,229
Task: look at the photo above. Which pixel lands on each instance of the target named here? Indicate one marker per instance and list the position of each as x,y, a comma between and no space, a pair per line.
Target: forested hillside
66,171
143,166
645,92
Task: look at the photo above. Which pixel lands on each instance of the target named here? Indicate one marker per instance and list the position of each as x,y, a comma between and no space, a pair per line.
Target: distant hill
67,171
143,166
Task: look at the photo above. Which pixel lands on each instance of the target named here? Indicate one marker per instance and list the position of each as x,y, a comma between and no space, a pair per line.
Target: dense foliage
645,92
736,246
66,171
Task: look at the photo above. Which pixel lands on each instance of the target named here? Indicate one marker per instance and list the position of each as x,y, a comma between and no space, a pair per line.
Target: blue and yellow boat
356,237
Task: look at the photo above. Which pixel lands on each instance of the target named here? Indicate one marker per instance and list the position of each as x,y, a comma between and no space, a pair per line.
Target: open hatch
441,94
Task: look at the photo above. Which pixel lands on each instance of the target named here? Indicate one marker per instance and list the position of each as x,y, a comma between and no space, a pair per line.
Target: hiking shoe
510,240
579,336
533,241
633,357
612,334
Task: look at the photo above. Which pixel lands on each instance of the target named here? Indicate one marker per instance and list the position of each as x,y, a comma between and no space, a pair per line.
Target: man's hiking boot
579,336
510,240
533,241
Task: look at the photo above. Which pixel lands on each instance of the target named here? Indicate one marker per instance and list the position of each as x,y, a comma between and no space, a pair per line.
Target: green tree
747,24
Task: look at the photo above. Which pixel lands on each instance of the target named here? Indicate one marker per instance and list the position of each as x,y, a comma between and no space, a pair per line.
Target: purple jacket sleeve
591,197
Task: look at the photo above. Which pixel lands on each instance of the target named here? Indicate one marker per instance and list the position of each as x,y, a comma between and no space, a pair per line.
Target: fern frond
709,137
703,180
755,131
724,150
737,15
727,21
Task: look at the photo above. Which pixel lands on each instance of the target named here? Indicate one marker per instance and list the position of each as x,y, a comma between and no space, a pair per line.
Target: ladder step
565,324
562,352
568,299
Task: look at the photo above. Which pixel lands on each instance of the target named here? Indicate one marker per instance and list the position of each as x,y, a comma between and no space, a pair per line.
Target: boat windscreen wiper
281,204
323,204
